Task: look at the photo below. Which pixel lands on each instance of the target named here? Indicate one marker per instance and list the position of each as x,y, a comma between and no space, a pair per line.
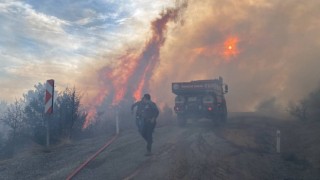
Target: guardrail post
117,120
278,141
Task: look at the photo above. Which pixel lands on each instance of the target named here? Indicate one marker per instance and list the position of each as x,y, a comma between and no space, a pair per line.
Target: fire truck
200,99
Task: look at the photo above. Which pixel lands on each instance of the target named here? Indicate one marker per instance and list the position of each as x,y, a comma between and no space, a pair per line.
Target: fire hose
76,171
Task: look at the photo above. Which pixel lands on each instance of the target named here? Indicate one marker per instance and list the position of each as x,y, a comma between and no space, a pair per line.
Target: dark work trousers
139,123
147,130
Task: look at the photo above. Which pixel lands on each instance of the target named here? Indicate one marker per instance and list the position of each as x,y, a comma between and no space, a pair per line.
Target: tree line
308,108
24,119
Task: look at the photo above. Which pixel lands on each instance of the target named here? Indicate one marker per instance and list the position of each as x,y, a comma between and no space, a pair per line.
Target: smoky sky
278,45
277,52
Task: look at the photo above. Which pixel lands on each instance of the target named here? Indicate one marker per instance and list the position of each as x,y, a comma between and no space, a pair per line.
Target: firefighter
149,114
139,120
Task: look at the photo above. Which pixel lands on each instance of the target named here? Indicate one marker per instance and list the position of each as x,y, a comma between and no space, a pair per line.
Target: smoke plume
262,49
276,56
128,76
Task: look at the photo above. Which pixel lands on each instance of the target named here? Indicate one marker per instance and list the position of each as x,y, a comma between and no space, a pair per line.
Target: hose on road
76,171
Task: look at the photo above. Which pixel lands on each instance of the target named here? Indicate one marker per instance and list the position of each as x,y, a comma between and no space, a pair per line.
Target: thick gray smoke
128,77
278,46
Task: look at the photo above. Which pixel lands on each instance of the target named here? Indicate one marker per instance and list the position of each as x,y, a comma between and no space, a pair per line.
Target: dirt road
244,148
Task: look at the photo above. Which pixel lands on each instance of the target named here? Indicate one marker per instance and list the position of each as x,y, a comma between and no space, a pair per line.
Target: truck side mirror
226,89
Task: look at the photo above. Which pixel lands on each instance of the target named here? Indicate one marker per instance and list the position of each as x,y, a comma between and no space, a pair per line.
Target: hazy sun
230,47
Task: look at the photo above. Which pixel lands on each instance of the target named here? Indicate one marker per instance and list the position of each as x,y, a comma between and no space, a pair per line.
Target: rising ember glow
230,47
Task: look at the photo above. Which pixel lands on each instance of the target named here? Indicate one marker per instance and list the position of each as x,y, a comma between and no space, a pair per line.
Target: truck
200,99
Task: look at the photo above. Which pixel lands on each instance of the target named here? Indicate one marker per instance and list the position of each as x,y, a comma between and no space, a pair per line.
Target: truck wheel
182,120
225,114
222,117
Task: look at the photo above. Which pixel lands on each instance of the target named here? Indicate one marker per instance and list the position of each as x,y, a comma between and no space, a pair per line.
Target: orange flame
131,70
115,79
138,93
120,76
92,110
91,114
119,95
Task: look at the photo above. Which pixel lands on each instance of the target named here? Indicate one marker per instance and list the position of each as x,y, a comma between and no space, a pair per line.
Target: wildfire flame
131,75
138,92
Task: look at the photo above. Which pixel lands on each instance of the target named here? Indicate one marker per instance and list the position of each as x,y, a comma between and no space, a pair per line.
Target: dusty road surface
243,148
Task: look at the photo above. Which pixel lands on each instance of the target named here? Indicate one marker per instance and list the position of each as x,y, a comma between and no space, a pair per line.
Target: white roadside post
48,110
117,119
278,141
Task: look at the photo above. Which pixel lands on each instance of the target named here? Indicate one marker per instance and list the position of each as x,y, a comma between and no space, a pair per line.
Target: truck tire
222,117
181,120
225,114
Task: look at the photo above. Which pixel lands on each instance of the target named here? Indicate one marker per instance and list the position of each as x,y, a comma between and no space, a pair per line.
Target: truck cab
200,99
